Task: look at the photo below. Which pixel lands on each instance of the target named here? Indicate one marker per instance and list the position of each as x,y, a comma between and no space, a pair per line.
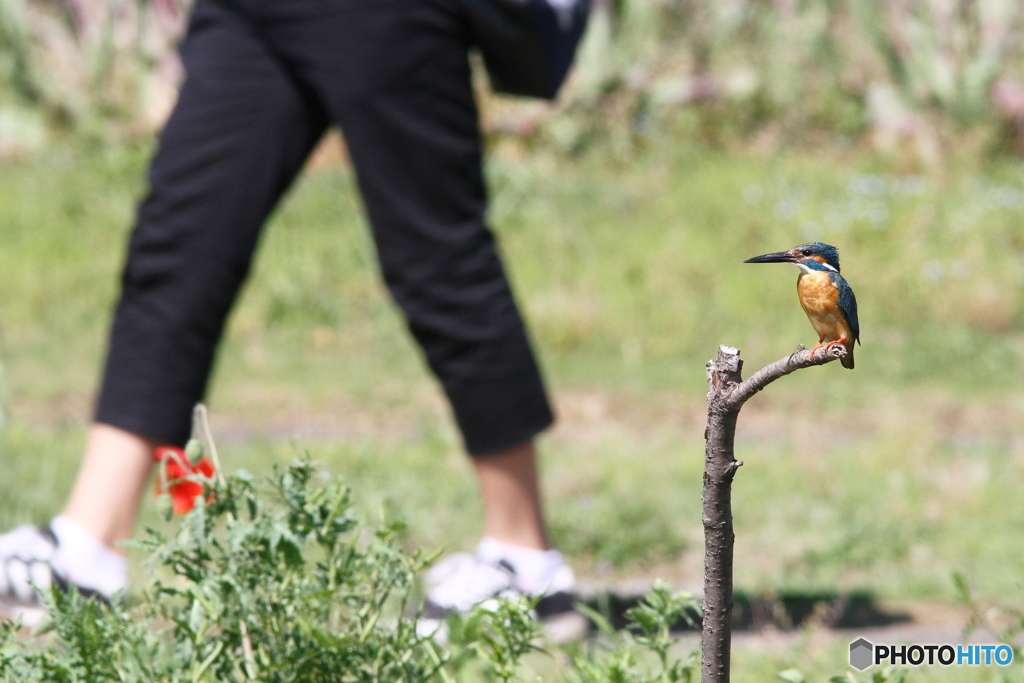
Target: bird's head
810,256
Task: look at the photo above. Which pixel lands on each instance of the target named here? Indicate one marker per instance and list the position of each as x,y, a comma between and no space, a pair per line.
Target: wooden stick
727,392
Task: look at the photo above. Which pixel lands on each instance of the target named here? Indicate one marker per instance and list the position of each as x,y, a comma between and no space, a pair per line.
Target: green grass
885,479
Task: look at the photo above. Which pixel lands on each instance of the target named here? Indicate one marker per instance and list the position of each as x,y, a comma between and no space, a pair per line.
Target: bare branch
727,392
801,358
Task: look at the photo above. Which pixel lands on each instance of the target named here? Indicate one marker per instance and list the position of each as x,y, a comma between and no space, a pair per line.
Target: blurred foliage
899,75
106,68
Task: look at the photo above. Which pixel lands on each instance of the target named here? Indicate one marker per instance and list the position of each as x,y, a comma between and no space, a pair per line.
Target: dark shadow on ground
785,611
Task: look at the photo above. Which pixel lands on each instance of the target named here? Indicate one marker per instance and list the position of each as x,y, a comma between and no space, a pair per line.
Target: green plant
890,674
280,584
500,631
649,632
279,581
297,590
1005,621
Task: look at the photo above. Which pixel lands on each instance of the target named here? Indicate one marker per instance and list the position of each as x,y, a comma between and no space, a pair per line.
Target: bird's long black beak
776,257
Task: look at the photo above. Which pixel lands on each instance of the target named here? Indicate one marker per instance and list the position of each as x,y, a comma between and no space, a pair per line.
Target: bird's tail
847,360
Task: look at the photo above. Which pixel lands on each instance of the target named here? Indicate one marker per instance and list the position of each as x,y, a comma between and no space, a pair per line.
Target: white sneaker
29,566
462,581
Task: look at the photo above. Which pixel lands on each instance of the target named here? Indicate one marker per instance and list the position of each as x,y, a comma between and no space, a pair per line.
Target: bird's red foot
841,340
817,346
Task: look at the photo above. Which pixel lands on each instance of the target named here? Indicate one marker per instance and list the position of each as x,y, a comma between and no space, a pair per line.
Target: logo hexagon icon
861,654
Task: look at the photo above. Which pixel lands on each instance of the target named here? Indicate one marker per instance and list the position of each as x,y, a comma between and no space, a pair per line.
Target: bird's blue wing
847,303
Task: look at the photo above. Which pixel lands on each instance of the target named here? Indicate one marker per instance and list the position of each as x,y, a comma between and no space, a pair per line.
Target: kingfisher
825,295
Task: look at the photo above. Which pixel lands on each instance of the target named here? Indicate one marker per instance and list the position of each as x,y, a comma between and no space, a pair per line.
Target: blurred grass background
693,135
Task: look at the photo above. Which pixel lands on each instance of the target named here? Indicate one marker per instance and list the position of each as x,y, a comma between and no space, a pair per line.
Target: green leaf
963,589
791,676
602,623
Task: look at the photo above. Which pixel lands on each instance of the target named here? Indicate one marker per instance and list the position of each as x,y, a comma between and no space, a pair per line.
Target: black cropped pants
265,78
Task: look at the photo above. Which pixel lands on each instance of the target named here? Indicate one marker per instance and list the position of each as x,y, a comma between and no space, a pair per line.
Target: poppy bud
165,506
194,451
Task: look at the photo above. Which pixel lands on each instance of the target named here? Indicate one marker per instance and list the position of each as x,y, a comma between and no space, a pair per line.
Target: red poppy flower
177,469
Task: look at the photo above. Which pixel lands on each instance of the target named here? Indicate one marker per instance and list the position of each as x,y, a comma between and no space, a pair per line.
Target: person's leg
239,134
415,142
237,138
110,483
510,494
396,78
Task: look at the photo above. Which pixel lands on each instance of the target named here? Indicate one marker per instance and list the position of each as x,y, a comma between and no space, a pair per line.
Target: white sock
535,569
85,561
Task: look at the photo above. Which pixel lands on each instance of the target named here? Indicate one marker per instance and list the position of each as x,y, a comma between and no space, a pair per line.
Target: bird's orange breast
819,298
